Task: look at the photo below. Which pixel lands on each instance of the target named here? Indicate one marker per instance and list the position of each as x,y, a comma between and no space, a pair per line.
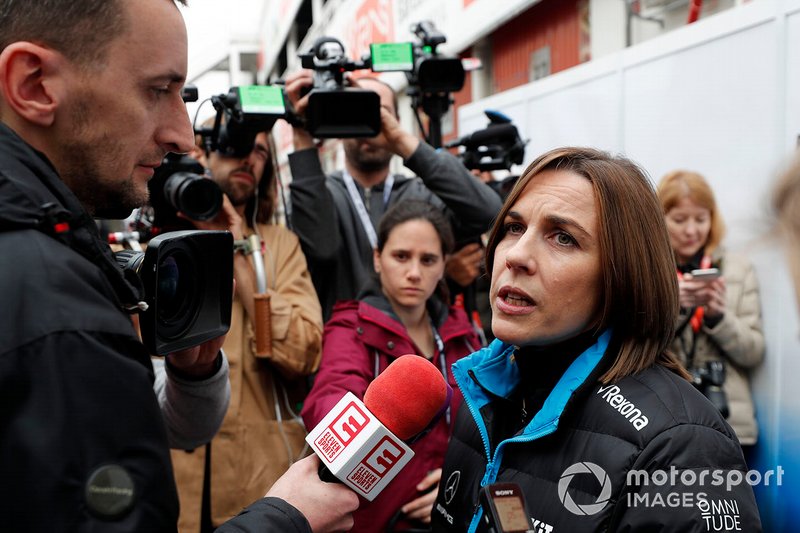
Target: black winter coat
83,445
595,457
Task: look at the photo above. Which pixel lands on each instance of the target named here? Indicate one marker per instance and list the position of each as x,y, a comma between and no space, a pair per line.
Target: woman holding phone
718,336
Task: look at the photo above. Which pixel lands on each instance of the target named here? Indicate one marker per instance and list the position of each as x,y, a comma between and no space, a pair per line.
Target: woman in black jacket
578,401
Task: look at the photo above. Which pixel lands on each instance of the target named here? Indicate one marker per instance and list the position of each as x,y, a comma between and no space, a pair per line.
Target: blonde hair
680,184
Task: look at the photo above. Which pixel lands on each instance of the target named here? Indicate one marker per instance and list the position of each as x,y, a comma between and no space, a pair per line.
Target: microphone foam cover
408,395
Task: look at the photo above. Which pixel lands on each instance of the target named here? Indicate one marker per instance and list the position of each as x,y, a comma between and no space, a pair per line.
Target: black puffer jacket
594,458
83,445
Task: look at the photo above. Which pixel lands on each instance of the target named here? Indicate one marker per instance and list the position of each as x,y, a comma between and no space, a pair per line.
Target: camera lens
195,196
176,292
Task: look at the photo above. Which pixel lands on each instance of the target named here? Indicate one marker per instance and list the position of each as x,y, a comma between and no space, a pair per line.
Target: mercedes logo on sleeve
451,486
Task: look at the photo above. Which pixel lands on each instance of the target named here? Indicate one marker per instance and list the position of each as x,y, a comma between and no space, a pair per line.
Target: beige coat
252,449
738,340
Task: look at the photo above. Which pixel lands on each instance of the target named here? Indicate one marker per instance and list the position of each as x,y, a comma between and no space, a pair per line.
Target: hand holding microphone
327,507
362,443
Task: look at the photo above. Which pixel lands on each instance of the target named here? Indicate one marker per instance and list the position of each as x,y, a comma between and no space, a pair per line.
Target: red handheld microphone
409,396
362,444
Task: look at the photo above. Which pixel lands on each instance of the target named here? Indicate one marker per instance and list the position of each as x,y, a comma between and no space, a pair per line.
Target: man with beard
335,216
261,435
90,102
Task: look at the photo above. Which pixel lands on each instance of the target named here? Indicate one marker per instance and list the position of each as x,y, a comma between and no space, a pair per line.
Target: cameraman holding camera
90,100
335,216
719,336
216,481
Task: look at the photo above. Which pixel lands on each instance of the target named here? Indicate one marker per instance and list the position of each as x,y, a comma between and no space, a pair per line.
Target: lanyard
442,362
361,209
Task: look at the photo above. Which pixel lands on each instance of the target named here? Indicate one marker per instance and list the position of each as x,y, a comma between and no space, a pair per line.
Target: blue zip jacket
593,457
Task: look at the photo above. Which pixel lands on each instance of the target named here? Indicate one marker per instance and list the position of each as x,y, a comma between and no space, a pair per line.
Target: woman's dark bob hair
639,299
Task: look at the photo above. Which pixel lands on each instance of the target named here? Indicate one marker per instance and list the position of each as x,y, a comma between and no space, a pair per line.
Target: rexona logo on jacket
615,399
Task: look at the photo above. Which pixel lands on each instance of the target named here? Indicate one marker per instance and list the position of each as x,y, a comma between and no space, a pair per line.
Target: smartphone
705,274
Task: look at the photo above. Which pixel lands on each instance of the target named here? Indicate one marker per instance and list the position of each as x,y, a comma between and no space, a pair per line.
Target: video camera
428,72
187,281
496,147
431,76
336,111
242,113
179,184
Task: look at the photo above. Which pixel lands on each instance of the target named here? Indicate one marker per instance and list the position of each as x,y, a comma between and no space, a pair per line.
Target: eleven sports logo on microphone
357,449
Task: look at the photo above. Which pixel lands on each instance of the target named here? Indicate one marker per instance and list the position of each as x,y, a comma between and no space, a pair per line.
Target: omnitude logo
585,509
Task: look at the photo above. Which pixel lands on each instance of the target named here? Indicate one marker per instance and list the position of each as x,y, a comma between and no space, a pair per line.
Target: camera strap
361,209
79,233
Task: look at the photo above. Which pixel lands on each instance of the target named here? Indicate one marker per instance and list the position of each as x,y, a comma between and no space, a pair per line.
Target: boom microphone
492,134
361,443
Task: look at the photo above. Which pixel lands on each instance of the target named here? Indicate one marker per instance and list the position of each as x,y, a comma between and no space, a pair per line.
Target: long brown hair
639,299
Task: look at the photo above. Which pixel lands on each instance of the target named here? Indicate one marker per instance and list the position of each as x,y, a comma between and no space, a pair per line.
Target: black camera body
242,113
187,280
433,72
709,380
180,185
431,76
336,111
496,147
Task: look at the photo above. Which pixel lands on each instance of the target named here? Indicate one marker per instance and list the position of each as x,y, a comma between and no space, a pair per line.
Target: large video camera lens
196,197
174,291
187,278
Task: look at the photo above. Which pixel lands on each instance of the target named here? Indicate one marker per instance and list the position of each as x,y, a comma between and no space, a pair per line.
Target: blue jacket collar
494,373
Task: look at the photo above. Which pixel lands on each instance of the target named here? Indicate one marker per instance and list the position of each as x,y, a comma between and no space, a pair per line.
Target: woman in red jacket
403,311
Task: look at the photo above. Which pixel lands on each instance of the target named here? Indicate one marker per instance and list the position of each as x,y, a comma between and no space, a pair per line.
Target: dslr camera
180,184
336,111
709,380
